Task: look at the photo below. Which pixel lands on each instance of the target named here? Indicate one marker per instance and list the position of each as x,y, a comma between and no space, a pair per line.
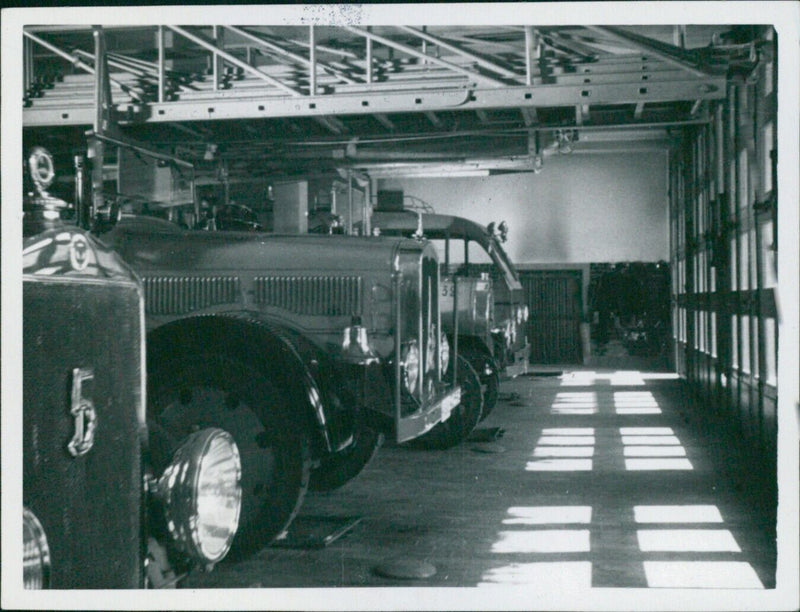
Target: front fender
295,365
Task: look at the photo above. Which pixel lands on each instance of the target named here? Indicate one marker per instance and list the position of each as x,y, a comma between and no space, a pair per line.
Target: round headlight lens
519,315
526,312
35,553
444,353
202,495
411,366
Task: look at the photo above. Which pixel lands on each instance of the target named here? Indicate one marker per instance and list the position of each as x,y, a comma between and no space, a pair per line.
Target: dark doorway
554,299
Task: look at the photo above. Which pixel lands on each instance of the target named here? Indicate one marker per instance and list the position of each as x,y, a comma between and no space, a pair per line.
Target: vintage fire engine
482,285
306,348
96,512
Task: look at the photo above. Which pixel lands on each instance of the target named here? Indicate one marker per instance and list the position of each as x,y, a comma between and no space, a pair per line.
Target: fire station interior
636,172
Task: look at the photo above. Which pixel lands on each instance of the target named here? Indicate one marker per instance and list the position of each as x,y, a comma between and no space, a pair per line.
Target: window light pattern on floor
653,448
579,402
563,449
544,540
551,546
635,402
632,378
722,573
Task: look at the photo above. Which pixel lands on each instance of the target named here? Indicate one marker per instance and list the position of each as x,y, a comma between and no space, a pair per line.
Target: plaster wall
581,208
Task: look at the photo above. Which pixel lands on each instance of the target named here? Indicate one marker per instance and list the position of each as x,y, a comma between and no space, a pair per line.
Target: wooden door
554,299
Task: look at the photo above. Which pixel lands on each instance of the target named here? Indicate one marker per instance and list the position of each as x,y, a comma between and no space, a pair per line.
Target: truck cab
307,348
494,337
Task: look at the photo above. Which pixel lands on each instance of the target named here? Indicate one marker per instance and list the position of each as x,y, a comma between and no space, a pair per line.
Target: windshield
492,260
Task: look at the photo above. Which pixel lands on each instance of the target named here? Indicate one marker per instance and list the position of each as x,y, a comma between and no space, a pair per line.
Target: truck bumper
519,363
427,417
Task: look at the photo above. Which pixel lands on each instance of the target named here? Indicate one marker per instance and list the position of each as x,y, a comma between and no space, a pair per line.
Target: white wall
581,208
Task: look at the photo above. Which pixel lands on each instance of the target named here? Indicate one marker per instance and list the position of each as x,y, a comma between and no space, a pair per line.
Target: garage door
554,299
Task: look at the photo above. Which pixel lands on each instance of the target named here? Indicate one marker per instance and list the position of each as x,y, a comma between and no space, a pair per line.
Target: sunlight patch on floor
548,515
543,541
555,575
701,574
677,514
689,540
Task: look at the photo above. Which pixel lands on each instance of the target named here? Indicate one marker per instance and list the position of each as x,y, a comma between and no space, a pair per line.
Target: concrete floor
602,478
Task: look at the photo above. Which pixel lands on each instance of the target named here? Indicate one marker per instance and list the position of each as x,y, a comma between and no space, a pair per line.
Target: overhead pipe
121,142
233,60
116,63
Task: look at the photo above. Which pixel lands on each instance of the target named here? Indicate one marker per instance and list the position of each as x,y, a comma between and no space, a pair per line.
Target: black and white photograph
447,306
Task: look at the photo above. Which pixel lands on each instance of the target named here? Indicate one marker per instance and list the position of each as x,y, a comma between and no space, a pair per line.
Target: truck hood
148,243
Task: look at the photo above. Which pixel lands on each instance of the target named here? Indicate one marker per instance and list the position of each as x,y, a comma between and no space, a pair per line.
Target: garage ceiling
390,100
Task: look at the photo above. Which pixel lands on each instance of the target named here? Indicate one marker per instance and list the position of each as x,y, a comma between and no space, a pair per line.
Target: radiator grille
181,294
311,295
89,506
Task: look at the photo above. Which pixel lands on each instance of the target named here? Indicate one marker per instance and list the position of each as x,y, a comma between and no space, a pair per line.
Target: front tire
464,417
338,469
491,390
193,390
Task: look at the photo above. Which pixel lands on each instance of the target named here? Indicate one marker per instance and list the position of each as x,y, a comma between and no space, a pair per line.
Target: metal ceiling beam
385,121
75,61
557,41
418,54
669,53
254,107
431,116
332,124
285,53
529,115
202,42
483,63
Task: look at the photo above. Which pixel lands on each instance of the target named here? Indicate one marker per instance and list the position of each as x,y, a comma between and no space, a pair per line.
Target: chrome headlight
444,353
202,495
430,352
508,332
410,365
35,553
513,335
519,315
526,312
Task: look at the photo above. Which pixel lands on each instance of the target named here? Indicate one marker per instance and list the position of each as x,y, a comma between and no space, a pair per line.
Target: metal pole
161,60
454,356
215,65
312,51
367,210
349,201
369,57
529,41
